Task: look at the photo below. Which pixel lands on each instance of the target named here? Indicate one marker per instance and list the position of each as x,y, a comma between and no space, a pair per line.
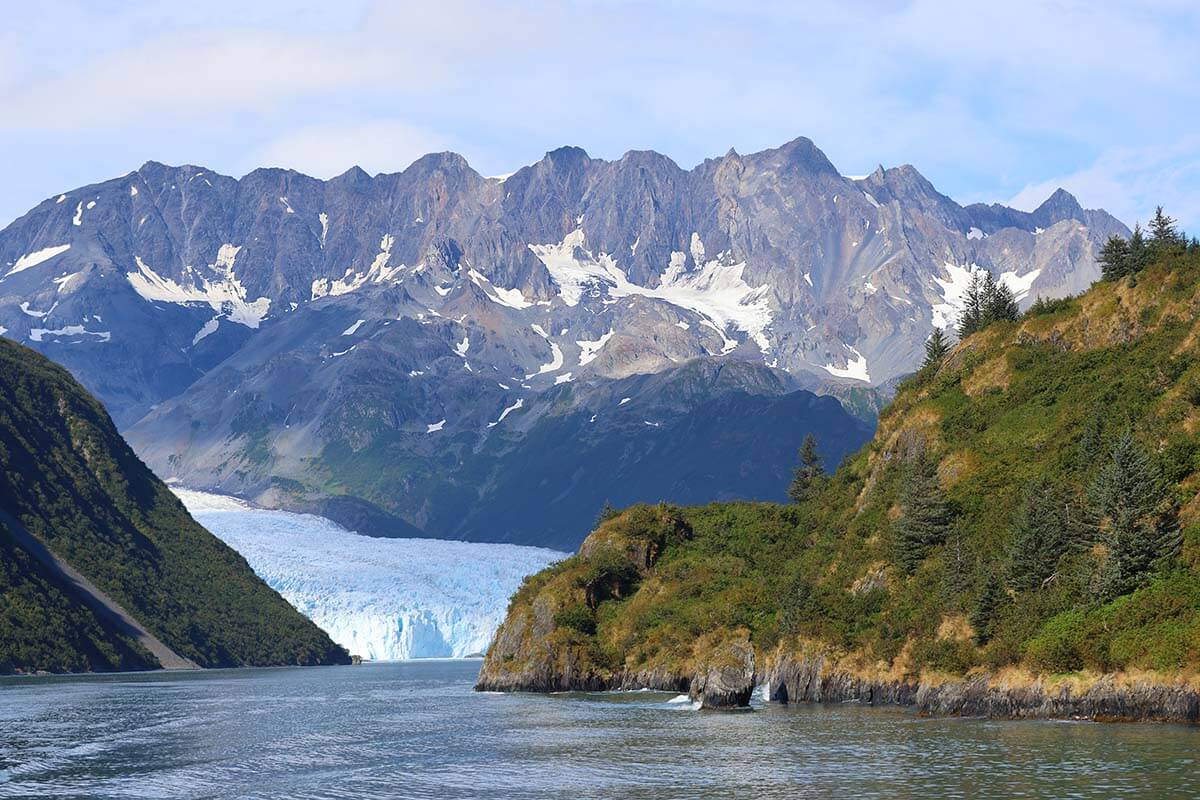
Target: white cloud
214,72
327,150
1130,182
982,99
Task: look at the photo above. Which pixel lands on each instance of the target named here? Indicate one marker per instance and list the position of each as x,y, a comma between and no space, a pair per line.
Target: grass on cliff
1045,399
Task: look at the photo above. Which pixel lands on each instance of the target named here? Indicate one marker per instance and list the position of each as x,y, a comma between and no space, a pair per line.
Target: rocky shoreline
1107,699
813,679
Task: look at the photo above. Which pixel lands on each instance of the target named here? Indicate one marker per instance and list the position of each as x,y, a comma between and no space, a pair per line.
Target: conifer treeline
1122,257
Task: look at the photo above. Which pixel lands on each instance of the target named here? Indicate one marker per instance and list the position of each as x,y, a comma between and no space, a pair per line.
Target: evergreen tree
987,606
809,471
1114,259
986,301
959,569
1001,304
925,518
607,512
1132,519
987,293
1163,234
1139,251
971,318
936,347
1091,444
1041,535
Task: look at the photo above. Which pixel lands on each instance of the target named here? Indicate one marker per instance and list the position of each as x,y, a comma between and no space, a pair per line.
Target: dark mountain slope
72,482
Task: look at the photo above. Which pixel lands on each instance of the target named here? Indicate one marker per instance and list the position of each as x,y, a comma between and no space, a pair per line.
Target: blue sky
992,102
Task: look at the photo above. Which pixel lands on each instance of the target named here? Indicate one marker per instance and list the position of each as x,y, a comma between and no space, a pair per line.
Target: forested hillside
1028,508
68,478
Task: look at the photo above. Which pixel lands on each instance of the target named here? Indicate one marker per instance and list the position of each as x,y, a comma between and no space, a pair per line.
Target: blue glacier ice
383,599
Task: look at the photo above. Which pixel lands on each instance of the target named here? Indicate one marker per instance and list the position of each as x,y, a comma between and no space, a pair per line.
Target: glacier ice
383,599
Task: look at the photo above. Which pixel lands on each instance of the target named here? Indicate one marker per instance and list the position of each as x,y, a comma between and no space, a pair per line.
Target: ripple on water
416,730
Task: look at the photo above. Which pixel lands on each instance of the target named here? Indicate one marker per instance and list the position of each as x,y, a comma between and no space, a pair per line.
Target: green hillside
69,478
1028,506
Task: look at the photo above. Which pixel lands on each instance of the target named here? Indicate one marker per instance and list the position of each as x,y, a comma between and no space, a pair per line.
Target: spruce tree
1163,234
959,569
1139,251
925,516
809,471
607,512
1041,535
1001,304
1114,259
1091,444
1132,519
936,347
987,607
971,318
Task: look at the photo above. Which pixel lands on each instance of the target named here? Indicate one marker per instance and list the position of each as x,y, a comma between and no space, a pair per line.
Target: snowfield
382,599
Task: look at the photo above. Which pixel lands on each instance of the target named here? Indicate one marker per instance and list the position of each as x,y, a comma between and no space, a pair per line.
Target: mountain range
434,351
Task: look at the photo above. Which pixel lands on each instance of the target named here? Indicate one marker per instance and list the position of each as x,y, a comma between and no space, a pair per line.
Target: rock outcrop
815,678
724,676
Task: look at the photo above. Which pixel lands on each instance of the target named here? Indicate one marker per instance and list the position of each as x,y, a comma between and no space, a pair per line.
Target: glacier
382,599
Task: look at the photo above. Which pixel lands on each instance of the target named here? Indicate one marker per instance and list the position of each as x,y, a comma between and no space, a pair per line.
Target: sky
993,102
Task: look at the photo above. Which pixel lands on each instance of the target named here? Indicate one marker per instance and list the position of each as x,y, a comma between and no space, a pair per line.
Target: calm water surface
416,730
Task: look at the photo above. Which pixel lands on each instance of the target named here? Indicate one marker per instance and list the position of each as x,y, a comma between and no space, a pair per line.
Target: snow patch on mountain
714,289
66,283
351,281
588,350
556,354
954,290
1021,285
33,259
29,312
507,410
855,369
512,298
954,293
224,293
207,329
40,334
383,599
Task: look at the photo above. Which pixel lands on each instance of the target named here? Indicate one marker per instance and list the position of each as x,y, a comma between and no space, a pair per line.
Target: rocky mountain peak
1058,206
800,155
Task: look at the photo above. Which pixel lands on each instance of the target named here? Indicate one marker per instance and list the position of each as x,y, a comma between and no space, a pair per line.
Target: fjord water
416,730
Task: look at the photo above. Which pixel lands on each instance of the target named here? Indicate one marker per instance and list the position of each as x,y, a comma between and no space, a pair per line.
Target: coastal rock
1106,700
725,675
813,678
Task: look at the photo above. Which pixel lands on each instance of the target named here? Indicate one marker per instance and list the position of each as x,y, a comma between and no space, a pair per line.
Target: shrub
577,617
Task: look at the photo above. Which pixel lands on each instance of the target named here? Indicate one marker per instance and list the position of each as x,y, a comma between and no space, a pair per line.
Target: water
416,730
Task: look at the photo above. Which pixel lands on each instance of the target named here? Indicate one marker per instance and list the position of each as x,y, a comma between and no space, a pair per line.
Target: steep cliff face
1020,538
251,335
107,569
